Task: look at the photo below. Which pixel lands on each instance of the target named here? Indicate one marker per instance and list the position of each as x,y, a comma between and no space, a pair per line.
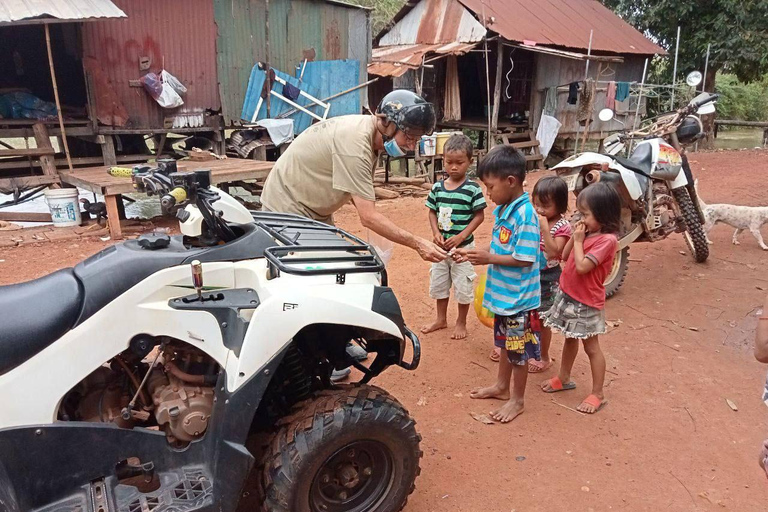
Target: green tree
383,12
736,29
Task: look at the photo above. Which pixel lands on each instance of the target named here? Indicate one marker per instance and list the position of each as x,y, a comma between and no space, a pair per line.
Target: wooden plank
113,217
86,160
12,133
27,152
43,141
731,122
533,158
24,216
24,182
30,123
525,145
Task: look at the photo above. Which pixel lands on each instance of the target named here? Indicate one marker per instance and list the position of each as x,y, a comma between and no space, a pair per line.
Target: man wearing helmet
333,162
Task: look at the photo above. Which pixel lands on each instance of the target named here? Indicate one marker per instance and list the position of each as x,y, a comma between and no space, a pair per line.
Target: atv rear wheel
694,232
353,449
618,272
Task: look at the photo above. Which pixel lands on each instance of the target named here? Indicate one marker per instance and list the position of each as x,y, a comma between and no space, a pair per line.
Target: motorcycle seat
640,161
35,314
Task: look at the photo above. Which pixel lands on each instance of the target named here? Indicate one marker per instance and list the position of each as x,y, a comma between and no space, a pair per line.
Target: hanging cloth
610,96
586,102
573,93
547,133
291,91
622,91
452,103
550,101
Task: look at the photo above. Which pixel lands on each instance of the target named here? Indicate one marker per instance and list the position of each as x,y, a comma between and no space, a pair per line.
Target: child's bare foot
459,332
435,326
509,411
490,392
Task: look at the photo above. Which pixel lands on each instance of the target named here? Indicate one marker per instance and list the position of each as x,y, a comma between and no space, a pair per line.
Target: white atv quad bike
192,373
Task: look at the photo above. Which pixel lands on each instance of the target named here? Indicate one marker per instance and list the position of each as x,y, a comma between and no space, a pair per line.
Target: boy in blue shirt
512,290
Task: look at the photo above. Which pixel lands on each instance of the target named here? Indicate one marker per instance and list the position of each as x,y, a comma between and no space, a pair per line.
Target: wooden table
99,181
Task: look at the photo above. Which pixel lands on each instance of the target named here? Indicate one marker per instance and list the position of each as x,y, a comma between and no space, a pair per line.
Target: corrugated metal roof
434,22
21,11
565,23
558,23
179,35
397,60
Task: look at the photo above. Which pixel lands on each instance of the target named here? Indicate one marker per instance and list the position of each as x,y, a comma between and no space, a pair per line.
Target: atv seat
640,161
35,314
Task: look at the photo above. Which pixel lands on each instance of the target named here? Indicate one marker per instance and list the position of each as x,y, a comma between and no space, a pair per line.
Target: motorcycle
192,372
655,183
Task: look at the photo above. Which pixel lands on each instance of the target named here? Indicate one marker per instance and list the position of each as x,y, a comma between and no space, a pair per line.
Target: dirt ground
668,440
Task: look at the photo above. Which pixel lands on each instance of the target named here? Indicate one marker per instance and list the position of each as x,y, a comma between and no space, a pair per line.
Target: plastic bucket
62,202
427,145
441,138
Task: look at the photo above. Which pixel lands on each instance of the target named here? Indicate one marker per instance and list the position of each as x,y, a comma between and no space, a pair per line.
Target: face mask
393,149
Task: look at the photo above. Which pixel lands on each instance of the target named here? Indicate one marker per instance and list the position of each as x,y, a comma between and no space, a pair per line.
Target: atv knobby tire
352,449
694,232
618,272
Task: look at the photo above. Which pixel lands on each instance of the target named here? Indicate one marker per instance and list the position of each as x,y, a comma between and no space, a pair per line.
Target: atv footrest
185,490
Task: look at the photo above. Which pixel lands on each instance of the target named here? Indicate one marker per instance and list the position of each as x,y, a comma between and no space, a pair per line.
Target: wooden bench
99,181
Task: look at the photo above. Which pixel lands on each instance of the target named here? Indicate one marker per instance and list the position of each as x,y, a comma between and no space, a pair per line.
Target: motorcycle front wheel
618,272
694,232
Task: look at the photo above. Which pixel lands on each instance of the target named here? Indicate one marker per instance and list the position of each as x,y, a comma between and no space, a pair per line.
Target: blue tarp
332,77
321,79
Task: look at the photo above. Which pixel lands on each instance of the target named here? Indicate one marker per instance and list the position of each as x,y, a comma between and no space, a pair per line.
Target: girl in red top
578,310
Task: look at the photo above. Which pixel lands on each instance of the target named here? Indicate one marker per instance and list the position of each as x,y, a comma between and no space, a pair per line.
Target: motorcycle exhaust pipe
592,176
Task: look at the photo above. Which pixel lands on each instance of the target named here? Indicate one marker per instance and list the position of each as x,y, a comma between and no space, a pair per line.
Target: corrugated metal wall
296,27
180,34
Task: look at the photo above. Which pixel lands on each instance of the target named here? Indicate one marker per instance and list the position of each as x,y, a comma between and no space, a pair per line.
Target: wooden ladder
526,142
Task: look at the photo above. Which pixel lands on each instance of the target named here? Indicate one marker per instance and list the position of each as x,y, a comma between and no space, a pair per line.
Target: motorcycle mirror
605,115
709,108
694,78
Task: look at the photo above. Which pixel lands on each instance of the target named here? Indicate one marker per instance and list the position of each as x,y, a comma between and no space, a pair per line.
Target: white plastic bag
170,97
174,83
384,248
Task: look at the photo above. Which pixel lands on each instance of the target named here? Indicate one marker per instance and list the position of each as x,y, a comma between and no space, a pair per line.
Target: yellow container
485,316
441,138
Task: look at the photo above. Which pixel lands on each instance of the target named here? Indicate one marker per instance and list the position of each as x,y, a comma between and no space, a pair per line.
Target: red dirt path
666,441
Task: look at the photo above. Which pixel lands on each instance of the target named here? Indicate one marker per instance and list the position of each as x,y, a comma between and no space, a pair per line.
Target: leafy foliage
383,12
745,102
736,29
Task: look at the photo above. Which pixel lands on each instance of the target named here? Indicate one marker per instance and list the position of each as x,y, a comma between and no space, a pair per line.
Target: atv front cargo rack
311,248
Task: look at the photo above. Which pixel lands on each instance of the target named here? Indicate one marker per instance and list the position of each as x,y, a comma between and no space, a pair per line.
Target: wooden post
108,150
113,217
497,91
43,140
56,95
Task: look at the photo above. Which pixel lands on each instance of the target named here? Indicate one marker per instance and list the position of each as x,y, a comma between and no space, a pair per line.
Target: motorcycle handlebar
704,100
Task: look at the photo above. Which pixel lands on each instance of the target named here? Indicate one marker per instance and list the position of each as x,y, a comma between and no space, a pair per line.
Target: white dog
740,217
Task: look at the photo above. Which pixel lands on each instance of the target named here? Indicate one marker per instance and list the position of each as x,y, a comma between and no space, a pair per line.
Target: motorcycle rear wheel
618,272
694,232
352,449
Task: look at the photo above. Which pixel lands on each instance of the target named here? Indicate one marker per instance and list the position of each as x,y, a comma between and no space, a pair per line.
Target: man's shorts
517,335
448,273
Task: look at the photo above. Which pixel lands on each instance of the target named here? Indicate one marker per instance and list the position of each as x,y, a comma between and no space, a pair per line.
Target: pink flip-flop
557,385
595,402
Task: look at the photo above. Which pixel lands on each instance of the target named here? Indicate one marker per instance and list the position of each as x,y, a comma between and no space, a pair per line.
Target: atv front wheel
694,233
618,272
353,449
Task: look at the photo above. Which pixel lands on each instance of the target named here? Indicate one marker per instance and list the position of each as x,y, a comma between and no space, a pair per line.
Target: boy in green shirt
456,207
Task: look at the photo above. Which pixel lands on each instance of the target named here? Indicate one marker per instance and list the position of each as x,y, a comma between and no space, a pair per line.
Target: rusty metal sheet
434,22
395,61
179,35
563,23
18,12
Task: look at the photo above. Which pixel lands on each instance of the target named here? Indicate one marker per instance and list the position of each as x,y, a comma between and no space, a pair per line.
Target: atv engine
176,398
